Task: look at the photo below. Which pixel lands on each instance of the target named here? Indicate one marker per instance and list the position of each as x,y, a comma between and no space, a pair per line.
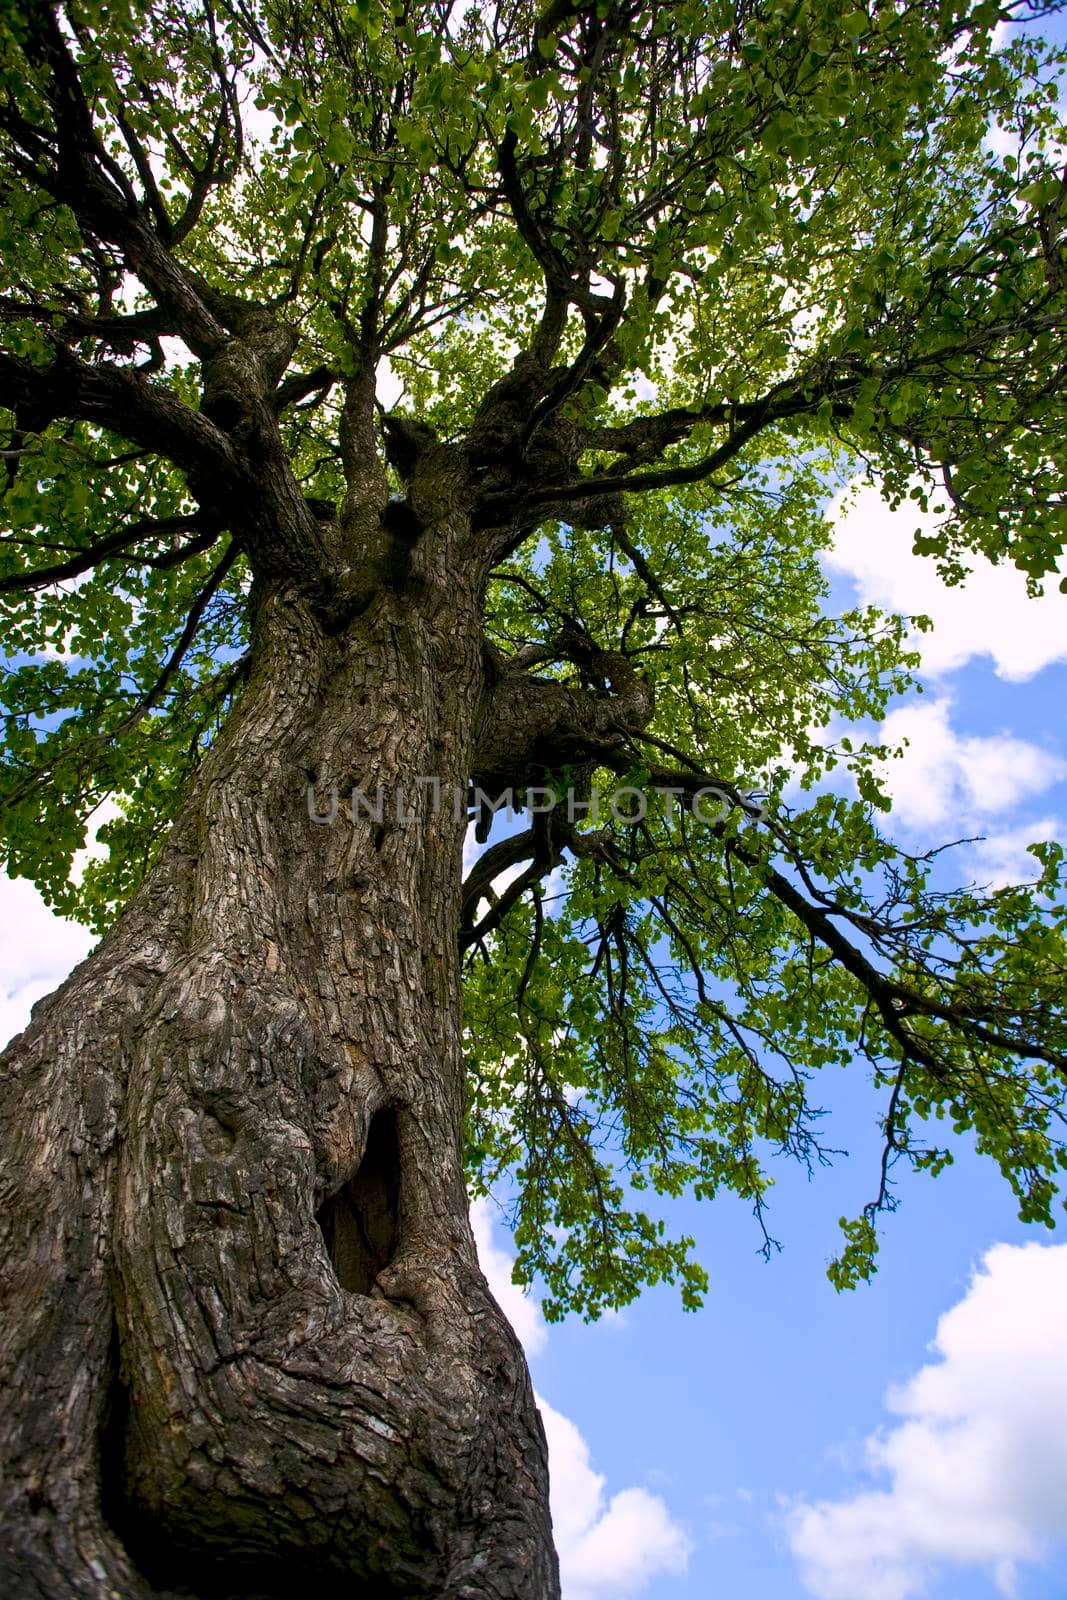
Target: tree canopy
667,275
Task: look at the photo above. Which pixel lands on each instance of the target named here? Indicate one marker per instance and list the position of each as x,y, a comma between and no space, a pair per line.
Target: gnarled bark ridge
246,1341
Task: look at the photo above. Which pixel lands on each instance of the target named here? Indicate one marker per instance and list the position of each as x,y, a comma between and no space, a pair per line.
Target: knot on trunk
531,725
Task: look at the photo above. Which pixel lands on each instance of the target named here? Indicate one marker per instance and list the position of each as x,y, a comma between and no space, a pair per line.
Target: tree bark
245,1341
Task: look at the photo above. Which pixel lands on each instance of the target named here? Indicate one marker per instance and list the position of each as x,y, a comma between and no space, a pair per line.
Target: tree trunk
245,1342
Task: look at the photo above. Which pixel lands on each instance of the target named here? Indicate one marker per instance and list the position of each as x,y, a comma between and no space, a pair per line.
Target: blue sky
778,1395
735,1420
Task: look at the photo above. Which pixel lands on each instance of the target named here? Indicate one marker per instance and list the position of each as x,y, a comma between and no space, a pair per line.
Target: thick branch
555,268
894,998
75,166
83,744
531,725
121,543
123,401
643,440
478,884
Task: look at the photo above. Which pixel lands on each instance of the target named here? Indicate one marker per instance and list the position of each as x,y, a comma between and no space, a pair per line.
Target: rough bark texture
245,1342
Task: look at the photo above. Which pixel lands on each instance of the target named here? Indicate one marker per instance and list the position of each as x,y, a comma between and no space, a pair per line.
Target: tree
651,280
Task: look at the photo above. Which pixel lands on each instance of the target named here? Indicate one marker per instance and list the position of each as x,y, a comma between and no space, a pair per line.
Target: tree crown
659,277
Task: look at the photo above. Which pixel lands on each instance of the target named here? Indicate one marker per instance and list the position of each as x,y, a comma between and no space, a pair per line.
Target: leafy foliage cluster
736,253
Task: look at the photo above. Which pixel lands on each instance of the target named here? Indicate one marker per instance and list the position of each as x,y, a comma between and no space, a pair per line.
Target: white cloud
105,812
977,1464
1002,858
37,955
944,775
47,946
1001,141
608,1549
522,1312
471,849
989,614
389,386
